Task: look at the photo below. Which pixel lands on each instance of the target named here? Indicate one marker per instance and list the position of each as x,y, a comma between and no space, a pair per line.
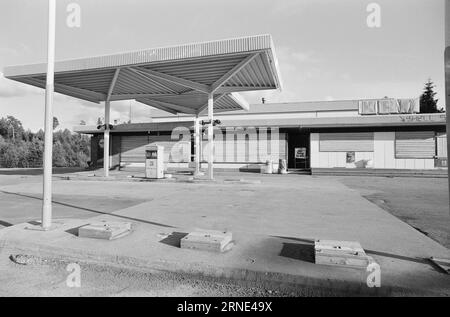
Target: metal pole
447,76
48,129
197,145
106,139
210,136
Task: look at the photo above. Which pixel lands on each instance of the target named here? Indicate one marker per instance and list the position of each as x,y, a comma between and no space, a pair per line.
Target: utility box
154,161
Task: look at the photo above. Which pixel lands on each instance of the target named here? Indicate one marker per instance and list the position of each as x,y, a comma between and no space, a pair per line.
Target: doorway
298,151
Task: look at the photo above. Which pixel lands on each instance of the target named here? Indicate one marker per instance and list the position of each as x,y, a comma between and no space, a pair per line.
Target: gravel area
22,275
421,202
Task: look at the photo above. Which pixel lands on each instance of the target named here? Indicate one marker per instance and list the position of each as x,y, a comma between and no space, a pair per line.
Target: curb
173,179
272,280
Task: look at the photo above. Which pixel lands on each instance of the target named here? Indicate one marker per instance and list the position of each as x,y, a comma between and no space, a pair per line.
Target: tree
11,128
35,152
40,134
26,148
9,155
59,155
428,104
55,123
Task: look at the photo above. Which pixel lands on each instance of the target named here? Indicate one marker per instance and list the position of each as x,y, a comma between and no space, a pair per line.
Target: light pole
48,129
447,76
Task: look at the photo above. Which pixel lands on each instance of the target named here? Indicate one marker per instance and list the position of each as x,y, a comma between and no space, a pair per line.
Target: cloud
120,110
288,8
305,57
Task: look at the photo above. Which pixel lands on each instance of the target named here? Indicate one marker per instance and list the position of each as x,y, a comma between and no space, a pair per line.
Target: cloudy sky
325,49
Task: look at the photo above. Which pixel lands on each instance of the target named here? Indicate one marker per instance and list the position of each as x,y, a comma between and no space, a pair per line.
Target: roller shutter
280,152
441,141
415,144
133,148
253,148
345,142
175,151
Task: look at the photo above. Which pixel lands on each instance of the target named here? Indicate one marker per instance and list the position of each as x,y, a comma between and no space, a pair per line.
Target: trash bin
282,166
267,168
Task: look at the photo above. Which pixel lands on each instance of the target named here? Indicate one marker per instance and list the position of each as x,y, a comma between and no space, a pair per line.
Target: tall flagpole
48,142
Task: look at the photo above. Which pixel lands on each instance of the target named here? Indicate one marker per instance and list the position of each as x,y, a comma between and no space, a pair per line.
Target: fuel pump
154,161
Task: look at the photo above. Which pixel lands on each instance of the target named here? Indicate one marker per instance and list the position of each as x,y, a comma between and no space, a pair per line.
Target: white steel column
211,136
107,122
48,128
106,139
197,145
447,76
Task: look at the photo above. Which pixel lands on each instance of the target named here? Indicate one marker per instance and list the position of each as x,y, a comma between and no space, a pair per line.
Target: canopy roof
176,79
368,122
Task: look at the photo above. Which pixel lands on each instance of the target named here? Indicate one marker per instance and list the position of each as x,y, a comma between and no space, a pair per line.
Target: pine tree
55,123
428,104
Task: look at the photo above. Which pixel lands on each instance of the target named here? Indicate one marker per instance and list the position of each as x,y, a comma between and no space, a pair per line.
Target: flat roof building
378,136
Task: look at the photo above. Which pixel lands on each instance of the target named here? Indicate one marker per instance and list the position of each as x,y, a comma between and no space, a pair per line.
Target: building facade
382,135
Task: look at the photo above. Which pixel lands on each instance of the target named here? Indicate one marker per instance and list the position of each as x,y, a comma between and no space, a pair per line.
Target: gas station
203,80
187,79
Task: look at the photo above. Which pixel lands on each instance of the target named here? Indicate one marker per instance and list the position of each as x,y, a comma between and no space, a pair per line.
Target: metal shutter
344,142
133,148
280,152
442,145
254,149
415,144
180,154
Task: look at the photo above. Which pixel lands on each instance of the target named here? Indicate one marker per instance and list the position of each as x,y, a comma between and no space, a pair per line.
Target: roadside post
48,128
447,77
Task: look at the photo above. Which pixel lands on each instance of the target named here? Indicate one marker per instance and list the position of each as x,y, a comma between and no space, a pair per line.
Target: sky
325,49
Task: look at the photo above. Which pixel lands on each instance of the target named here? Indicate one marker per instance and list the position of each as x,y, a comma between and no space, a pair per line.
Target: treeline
23,148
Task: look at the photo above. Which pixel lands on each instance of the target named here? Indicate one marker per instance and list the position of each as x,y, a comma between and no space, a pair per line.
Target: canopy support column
106,139
48,128
447,76
197,145
211,136
106,157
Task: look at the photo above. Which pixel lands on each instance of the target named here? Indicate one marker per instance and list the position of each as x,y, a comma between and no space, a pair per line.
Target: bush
69,149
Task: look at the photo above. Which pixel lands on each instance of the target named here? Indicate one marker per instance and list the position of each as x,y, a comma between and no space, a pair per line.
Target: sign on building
300,153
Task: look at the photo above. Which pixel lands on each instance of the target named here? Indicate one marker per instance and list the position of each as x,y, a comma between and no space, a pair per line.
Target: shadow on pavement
174,239
91,210
74,231
5,224
38,171
300,252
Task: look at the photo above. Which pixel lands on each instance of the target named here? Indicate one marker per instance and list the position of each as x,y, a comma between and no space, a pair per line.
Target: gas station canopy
190,78
176,79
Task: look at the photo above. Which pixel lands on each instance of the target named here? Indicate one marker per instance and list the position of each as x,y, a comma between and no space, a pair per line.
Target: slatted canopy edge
155,55
190,78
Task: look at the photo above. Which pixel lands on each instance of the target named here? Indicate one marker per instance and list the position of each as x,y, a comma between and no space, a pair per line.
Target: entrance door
298,148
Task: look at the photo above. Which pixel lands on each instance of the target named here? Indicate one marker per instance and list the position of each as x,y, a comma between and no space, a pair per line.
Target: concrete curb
173,179
272,280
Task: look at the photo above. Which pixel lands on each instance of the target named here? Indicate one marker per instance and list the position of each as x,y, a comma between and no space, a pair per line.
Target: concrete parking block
208,240
105,230
341,253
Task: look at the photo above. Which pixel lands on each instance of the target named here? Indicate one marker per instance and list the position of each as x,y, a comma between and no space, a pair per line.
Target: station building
379,136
